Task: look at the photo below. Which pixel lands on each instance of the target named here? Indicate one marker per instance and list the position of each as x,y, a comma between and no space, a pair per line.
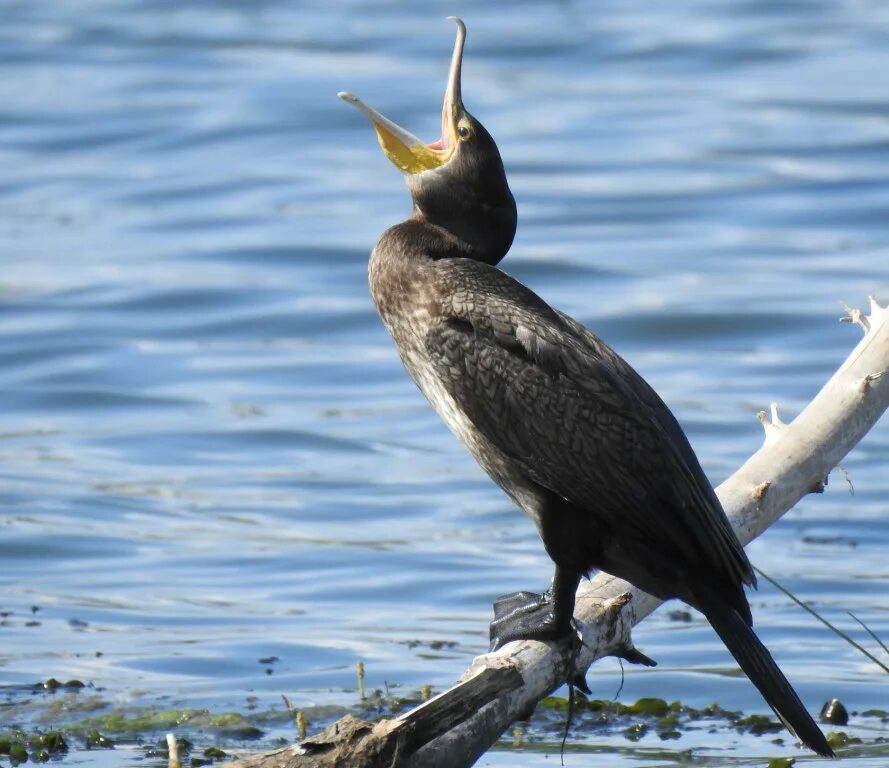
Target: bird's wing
573,415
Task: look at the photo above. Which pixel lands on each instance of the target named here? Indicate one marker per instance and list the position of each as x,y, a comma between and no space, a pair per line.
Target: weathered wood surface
455,728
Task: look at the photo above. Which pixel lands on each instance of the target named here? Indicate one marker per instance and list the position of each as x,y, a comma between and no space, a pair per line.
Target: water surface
210,452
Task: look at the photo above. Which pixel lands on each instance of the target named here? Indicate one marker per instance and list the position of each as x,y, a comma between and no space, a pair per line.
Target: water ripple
210,451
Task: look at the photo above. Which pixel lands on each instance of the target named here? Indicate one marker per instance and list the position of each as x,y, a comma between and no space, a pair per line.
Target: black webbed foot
525,616
528,616
506,605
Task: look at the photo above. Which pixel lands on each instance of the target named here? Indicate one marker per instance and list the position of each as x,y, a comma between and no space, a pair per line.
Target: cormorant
576,438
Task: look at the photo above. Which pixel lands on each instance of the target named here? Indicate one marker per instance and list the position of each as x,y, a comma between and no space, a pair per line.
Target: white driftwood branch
455,728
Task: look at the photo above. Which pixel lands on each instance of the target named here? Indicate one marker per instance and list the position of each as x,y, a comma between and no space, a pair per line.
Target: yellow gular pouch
411,159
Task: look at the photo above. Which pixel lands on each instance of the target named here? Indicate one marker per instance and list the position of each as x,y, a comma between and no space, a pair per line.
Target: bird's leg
529,616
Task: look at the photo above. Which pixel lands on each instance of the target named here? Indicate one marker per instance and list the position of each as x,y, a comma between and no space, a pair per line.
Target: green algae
553,702
649,707
17,753
64,705
95,740
88,721
42,746
51,685
51,742
759,724
837,739
232,724
651,715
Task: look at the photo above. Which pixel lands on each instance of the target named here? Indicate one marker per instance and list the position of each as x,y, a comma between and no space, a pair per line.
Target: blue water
210,453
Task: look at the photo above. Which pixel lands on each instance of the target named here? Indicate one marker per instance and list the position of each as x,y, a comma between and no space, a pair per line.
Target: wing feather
575,416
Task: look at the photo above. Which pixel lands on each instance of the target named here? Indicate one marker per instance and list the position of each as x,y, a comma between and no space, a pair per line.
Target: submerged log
456,727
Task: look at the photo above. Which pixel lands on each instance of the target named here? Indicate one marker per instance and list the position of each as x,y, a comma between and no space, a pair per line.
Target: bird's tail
756,661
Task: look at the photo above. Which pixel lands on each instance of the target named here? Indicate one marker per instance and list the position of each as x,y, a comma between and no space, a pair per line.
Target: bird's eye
464,131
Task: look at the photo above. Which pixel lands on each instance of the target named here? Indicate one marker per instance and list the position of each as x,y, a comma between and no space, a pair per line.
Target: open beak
404,149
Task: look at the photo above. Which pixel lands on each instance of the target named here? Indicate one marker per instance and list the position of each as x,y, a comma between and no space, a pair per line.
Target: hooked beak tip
453,96
459,22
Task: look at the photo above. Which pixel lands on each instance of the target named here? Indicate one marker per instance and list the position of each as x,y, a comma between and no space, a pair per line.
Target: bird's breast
409,322
409,297
409,334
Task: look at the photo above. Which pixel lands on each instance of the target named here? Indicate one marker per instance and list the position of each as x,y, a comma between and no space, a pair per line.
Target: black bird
576,438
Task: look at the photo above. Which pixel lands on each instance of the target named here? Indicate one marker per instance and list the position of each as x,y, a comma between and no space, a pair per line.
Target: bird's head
457,182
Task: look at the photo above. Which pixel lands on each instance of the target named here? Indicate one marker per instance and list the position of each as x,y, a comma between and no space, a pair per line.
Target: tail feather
757,663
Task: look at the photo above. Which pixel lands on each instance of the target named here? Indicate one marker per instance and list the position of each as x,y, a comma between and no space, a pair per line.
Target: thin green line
869,631
824,621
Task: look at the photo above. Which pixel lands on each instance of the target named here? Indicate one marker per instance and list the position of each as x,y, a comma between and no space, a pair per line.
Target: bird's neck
402,263
482,239
419,240
477,221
